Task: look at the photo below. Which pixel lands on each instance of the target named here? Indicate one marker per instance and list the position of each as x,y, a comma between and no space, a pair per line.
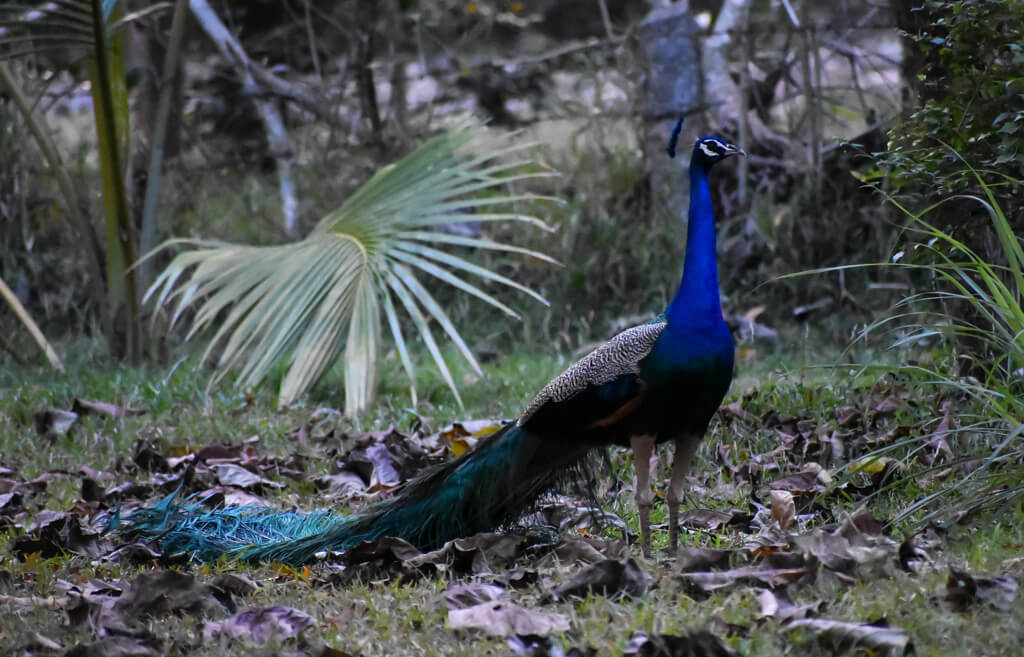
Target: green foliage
88,28
989,318
974,85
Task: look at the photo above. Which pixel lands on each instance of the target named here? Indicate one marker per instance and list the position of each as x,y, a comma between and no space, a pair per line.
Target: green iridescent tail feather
479,491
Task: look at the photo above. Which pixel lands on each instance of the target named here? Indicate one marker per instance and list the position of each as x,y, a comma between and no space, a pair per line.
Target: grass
395,616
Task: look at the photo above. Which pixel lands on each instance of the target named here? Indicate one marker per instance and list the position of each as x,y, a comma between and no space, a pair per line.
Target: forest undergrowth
789,545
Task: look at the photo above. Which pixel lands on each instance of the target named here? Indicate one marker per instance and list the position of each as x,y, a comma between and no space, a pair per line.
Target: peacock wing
599,388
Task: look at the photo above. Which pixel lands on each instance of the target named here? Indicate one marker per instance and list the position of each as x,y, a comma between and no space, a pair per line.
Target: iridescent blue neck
697,300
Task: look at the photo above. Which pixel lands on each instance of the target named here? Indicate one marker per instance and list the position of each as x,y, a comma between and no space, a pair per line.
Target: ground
752,578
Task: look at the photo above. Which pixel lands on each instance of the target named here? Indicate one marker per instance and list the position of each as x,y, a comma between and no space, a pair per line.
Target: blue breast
688,374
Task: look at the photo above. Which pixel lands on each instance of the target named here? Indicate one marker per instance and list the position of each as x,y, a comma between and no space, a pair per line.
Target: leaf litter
779,546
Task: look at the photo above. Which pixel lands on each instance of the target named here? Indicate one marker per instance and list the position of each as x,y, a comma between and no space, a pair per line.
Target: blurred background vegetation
251,121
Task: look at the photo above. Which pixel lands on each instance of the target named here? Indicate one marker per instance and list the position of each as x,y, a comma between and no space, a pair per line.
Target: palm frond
309,303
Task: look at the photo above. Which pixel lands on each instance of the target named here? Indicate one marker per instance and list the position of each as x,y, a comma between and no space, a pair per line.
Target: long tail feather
481,490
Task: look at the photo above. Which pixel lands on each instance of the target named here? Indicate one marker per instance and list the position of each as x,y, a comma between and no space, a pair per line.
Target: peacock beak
734,150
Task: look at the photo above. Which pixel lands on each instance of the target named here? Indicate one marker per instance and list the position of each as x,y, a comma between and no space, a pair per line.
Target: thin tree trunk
159,139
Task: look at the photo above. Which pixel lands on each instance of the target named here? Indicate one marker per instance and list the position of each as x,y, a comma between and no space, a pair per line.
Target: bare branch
254,79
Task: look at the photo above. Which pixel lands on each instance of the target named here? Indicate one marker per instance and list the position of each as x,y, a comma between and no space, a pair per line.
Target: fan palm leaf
311,302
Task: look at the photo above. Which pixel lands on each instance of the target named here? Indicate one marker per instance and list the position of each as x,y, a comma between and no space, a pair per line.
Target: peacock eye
708,150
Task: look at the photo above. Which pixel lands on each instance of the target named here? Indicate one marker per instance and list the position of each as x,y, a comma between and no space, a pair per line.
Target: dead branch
256,81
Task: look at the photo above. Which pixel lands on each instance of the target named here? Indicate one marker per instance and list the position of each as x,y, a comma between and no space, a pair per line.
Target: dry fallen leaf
161,592
783,508
500,618
261,624
776,604
54,422
704,519
800,483
847,636
611,577
86,407
461,437
230,474
342,486
469,594
699,558
748,576
856,543
477,554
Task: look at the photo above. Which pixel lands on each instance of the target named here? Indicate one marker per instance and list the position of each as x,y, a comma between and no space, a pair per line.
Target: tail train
481,490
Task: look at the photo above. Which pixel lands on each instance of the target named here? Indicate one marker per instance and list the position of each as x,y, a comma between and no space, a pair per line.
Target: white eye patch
707,150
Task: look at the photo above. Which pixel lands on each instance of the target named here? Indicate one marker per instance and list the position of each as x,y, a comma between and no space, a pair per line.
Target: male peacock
657,382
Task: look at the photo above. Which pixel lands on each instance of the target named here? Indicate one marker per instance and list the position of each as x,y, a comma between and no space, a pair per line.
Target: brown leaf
54,422
461,596
342,486
857,542
385,475
230,474
747,576
387,458
846,415
783,508
147,457
477,554
611,577
31,603
42,644
848,636
576,549
888,405
800,483
86,407
461,437
261,624
226,585
386,549
226,454
500,618
937,441
162,592
228,496
705,519
776,604
518,578
698,558
736,408
54,532
10,504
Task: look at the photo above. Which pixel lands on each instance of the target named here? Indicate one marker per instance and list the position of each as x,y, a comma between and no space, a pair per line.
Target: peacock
661,381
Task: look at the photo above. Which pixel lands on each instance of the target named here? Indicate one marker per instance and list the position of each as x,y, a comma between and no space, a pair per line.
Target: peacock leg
643,446
686,447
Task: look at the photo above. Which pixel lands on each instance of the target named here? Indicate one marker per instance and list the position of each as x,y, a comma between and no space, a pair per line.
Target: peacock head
708,151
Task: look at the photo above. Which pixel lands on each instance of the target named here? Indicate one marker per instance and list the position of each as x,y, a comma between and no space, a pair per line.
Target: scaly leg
642,448
686,447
